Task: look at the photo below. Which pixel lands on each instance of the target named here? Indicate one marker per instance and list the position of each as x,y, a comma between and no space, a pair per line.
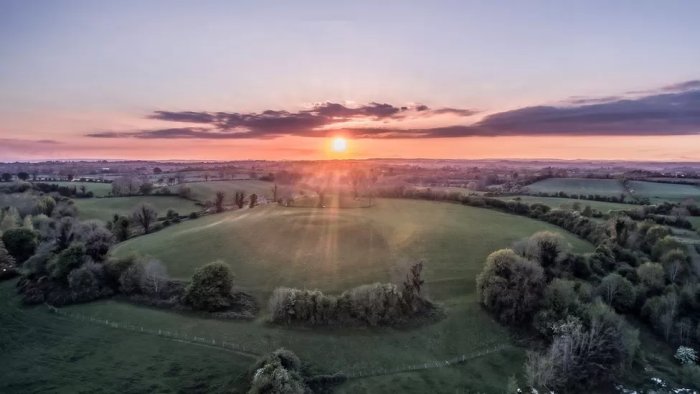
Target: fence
359,373
168,334
350,373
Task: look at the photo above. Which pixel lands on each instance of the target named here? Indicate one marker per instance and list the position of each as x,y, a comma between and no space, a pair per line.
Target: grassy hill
659,192
98,189
603,187
105,208
269,246
558,202
206,191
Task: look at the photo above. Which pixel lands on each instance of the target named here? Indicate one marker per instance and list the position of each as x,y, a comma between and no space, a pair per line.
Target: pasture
97,189
567,203
659,192
270,246
586,186
206,191
106,208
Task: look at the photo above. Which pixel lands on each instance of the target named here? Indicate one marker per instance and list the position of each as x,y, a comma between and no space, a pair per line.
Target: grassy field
98,189
659,192
206,191
696,222
603,187
269,246
41,352
334,250
557,202
105,208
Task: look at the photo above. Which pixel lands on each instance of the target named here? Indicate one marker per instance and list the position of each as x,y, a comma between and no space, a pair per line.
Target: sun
339,144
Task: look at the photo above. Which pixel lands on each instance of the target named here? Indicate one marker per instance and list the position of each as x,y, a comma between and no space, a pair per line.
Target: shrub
617,291
686,355
545,247
510,286
20,243
278,373
210,289
66,261
651,275
84,284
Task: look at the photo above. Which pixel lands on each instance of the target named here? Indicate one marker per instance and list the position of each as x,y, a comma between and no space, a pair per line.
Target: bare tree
145,215
155,277
219,201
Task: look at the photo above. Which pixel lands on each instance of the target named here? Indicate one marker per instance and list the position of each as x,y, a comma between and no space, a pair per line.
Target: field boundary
371,371
166,334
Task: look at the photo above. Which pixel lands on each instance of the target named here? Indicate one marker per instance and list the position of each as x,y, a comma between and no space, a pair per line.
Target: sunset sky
230,80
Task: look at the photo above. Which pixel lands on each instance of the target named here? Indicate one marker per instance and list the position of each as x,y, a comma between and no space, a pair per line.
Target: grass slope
603,187
270,246
558,202
105,208
659,192
206,191
44,352
98,189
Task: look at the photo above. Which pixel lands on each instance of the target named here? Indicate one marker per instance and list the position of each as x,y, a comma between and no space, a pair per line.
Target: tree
617,291
120,228
278,373
68,260
651,275
357,180
154,278
219,201
510,286
253,200
145,215
157,170
96,238
210,289
23,176
675,263
6,259
274,193
20,243
146,188
686,355
6,177
239,199
546,247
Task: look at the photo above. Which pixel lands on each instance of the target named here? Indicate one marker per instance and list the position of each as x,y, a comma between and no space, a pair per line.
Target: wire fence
168,334
365,372
357,372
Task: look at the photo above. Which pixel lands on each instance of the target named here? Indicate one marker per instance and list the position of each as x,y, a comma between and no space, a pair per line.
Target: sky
232,80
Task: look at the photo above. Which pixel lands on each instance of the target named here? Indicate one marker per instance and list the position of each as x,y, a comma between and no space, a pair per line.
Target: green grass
603,187
98,189
105,208
695,220
270,246
206,191
558,202
44,352
659,192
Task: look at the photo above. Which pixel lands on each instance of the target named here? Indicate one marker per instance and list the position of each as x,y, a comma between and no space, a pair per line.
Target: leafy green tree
23,175
652,276
510,286
20,242
219,201
210,289
6,177
68,260
617,291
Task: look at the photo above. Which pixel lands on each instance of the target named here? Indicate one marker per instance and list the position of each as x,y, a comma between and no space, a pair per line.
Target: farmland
580,186
106,208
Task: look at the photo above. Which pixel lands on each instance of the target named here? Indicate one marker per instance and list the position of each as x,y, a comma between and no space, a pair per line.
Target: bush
20,243
617,291
510,286
278,373
210,289
69,259
652,276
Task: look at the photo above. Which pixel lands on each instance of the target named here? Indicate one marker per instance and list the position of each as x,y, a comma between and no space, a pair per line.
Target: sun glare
339,144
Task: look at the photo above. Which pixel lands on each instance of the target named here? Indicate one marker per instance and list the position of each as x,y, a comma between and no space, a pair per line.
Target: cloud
669,110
